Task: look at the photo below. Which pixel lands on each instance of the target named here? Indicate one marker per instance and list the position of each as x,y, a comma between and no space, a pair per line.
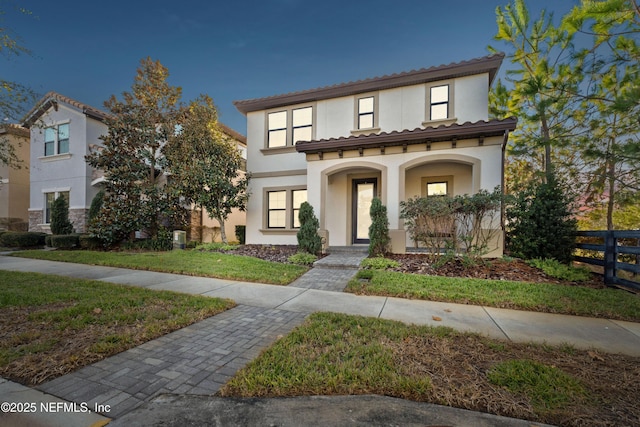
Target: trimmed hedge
89,242
241,233
22,239
64,241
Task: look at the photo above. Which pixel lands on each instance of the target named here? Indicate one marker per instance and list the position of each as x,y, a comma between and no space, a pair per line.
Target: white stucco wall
63,172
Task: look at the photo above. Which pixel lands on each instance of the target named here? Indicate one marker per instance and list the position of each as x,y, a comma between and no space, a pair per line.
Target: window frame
425,181
289,128
451,117
46,215
278,209
289,209
56,142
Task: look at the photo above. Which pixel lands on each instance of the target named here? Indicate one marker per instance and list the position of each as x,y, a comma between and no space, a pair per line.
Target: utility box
179,239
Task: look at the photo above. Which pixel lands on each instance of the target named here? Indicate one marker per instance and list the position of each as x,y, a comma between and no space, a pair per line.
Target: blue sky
239,49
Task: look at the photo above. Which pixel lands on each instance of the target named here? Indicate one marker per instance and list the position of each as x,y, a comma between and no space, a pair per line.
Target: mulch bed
496,269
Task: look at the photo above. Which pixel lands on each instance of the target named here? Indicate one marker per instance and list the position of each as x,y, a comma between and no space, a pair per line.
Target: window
298,197
277,129
302,124
283,207
439,100
365,113
49,198
277,209
437,188
56,139
286,127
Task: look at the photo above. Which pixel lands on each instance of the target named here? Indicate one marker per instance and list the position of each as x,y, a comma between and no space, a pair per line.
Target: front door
364,190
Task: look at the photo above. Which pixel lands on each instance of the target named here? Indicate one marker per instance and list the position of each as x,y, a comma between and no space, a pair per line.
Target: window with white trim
56,139
49,198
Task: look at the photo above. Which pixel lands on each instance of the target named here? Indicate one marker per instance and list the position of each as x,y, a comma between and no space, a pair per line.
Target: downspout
502,188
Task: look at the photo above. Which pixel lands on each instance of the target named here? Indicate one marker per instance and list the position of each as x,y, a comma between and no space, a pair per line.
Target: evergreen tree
60,223
540,223
308,238
379,229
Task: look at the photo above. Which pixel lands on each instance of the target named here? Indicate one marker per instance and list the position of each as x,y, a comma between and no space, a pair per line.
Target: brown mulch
458,367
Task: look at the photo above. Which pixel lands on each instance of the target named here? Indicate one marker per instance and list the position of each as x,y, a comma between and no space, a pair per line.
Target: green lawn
549,298
52,325
195,263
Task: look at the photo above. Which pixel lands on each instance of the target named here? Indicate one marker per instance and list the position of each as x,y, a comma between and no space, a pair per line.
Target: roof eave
417,136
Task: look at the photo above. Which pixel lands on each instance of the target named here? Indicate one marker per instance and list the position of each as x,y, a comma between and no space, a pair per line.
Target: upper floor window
439,102
366,112
277,129
302,124
56,139
286,127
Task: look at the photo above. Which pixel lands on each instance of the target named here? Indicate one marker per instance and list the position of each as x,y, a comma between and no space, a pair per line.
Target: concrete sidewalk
197,360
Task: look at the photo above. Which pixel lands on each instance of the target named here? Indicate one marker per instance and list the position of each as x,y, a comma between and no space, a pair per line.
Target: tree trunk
223,234
611,177
548,166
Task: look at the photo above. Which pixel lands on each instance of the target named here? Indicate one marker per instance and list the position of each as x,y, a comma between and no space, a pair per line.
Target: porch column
394,192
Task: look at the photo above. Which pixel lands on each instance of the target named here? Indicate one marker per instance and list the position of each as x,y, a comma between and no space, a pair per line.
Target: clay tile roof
51,99
466,130
488,64
14,129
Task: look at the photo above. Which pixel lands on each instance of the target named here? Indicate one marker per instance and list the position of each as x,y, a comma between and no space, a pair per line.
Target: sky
237,49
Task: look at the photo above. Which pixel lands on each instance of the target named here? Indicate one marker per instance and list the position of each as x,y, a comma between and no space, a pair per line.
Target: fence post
610,258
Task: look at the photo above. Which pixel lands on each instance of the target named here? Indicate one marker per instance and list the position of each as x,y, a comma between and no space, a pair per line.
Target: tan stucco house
414,133
14,182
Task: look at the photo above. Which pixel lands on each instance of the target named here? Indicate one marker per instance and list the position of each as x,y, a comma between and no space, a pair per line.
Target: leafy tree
308,238
14,97
136,196
540,223
205,163
379,229
60,223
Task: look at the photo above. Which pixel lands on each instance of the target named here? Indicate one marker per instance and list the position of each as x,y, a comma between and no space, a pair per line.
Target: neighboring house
63,132
14,182
417,133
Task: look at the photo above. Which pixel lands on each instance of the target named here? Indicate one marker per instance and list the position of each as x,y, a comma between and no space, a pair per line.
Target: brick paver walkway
196,360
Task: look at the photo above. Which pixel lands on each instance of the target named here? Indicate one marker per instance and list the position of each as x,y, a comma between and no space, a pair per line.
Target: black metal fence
621,249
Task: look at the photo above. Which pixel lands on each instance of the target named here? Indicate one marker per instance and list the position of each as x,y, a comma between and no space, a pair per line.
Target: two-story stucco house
14,182
416,133
63,132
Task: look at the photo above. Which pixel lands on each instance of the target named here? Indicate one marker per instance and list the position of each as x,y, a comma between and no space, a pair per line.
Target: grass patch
335,354
379,263
53,325
194,262
547,387
555,268
542,297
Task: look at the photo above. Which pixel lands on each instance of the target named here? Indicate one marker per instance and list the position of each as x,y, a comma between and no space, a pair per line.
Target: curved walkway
198,359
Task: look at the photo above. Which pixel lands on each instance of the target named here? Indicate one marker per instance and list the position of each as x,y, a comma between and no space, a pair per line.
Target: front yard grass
194,263
52,325
542,297
336,354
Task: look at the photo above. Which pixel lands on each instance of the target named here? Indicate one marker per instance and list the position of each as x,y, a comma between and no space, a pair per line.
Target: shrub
96,205
64,241
60,223
47,240
241,233
163,242
22,239
379,263
555,268
308,239
540,223
379,229
302,258
88,242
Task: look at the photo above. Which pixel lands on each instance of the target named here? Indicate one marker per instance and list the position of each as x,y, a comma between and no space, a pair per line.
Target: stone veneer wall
78,217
